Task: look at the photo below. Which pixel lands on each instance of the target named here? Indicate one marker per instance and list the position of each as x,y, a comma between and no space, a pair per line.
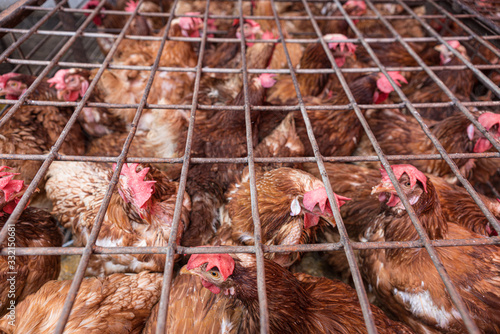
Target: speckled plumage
116,304
77,190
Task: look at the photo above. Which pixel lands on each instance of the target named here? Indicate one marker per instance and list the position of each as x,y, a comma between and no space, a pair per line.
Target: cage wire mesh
38,40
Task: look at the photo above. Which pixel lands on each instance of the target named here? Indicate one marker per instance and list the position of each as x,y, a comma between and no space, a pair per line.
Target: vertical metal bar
455,296
171,246
77,280
344,238
259,254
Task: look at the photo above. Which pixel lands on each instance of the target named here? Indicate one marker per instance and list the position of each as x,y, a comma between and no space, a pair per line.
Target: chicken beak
384,187
185,271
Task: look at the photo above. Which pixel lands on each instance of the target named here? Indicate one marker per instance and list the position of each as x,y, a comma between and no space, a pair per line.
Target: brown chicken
127,86
24,275
115,304
139,214
422,89
195,310
406,281
222,135
297,303
291,204
141,25
401,134
336,131
71,84
34,129
357,182
314,57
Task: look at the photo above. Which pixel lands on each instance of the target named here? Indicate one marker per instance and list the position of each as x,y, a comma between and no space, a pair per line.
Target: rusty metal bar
31,251
259,253
235,40
344,238
171,246
456,298
79,274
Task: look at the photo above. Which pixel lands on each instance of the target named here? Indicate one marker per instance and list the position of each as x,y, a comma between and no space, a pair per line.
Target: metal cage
27,20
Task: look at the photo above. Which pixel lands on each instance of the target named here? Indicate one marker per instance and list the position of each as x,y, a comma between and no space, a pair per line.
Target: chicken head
316,205
70,84
11,88
134,188
12,190
491,123
446,55
339,47
355,8
384,87
213,269
250,30
407,176
92,4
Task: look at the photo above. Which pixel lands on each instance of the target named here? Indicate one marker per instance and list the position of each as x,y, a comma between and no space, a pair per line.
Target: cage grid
42,68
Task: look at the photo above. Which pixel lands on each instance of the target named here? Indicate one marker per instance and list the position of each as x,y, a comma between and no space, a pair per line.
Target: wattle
210,286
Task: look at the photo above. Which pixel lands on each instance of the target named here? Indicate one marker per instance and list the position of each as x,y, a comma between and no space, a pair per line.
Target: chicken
222,135
400,134
297,303
24,275
406,281
422,89
141,25
195,310
71,84
34,129
127,86
336,131
291,204
357,182
109,305
139,214
314,57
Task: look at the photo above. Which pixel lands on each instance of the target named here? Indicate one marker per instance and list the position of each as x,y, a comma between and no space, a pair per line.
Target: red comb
58,79
131,6
267,80
223,262
385,86
141,190
454,44
9,187
4,78
90,5
268,35
319,196
360,4
410,170
488,120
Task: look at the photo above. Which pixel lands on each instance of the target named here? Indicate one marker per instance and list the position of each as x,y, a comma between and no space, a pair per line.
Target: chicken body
116,304
406,281
77,190
297,303
35,228
285,216
34,129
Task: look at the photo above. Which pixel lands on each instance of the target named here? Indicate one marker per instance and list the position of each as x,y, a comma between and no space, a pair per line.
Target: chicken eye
407,184
214,274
